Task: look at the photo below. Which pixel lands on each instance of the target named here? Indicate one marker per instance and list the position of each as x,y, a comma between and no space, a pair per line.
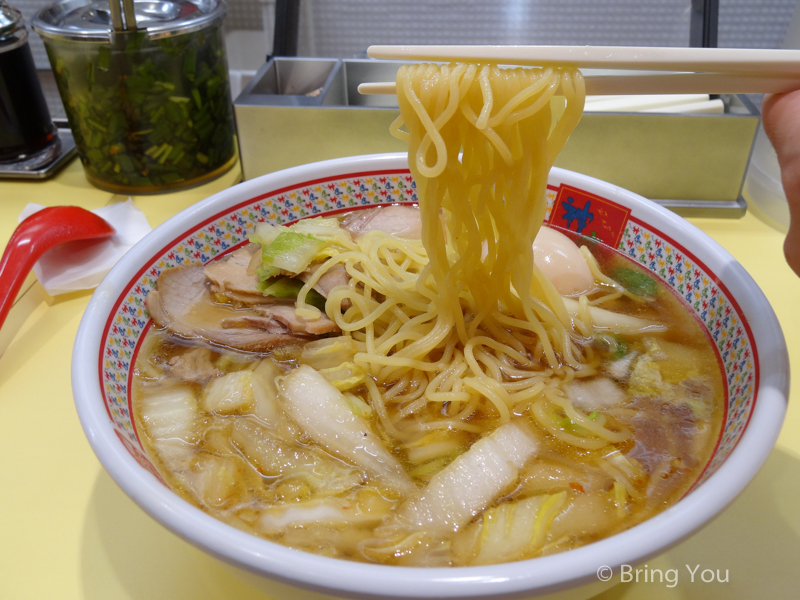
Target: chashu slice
288,317
182,304
334,277
397,219
281,316
232,277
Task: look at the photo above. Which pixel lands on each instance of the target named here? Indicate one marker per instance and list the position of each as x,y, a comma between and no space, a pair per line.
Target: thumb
781,118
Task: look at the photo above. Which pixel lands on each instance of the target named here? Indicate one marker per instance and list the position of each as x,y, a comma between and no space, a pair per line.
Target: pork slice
249,340
303,330
231,273
193,365
182,304
254,322
666,442
663,432
397,219
335,276
287,315
182,288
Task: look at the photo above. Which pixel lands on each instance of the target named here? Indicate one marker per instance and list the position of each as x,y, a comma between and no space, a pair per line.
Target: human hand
781,118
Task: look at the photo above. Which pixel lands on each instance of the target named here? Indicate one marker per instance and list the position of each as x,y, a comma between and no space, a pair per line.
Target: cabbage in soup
276,392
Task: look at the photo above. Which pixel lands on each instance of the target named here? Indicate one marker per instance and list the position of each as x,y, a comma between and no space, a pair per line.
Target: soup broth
603,447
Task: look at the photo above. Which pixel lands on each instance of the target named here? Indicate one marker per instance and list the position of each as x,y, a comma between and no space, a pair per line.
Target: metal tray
692,164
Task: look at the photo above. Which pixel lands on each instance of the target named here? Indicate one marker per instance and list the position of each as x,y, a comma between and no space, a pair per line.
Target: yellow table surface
67,531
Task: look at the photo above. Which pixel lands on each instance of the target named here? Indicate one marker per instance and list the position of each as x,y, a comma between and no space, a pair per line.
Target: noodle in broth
454,351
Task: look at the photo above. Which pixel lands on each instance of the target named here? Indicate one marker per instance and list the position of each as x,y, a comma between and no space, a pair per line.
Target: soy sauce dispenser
27,133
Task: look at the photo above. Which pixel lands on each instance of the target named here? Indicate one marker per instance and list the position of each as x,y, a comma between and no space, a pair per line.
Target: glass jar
26,129
150,109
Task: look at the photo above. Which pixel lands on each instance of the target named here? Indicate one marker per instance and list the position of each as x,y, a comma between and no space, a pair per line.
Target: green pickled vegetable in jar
149,112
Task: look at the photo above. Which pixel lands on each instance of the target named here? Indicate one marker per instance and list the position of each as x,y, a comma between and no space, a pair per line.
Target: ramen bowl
719,293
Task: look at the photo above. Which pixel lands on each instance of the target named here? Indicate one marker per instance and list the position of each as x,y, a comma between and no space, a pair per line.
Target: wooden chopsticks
693,70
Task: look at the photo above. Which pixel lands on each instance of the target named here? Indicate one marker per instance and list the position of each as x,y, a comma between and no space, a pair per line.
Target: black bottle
25,124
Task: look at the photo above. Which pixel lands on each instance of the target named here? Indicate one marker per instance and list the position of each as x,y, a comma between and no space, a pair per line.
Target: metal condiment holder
300,110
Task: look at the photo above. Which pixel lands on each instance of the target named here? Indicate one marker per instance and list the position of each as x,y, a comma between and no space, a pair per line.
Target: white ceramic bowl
714,286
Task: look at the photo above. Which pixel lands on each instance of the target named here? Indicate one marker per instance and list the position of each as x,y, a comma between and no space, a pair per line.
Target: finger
781,118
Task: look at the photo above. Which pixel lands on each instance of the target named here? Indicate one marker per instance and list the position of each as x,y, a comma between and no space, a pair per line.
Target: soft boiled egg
562,263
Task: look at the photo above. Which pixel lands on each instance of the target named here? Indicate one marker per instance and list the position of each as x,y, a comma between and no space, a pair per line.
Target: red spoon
36,235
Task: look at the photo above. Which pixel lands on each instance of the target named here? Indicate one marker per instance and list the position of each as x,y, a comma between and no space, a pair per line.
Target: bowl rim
360,580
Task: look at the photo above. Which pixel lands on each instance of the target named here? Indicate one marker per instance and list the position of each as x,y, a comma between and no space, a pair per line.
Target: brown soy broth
667,306
25,124
256,491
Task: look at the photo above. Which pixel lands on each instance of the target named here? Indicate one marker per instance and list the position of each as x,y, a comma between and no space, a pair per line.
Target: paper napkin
81,265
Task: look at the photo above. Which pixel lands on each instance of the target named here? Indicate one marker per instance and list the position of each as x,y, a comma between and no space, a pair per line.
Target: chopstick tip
374,89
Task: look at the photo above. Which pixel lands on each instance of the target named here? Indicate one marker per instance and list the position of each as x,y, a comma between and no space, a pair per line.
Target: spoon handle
18,259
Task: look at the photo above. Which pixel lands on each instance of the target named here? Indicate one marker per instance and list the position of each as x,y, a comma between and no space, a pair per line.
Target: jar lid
90,20
10,19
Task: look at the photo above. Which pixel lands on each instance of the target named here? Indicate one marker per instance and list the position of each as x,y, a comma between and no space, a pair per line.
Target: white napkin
81,265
